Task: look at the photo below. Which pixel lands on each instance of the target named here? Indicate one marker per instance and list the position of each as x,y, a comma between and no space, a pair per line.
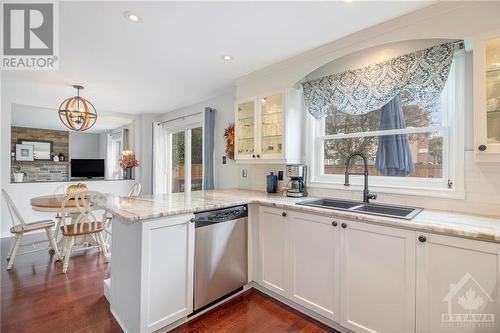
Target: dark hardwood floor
37,297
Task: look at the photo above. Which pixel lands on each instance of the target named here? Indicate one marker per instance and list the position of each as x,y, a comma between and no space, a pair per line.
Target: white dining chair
20,227
88,204
135,191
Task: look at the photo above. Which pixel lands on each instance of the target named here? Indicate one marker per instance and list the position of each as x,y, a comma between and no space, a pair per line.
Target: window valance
418,78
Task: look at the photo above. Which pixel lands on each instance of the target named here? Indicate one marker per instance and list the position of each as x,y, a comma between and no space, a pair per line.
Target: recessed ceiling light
227,57
132,17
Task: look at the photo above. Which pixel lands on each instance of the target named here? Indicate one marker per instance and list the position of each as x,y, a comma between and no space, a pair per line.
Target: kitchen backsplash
482,186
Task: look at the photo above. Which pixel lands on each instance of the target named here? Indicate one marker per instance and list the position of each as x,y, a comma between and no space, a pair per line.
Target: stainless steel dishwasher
220,260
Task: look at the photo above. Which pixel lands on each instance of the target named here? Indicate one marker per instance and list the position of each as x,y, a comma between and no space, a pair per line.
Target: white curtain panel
159,159
109,158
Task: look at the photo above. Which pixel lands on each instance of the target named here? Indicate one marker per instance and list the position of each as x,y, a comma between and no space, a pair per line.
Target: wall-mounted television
87,168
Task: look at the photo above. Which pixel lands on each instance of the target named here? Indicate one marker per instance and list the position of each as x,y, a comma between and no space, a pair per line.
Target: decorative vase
127,173
18,177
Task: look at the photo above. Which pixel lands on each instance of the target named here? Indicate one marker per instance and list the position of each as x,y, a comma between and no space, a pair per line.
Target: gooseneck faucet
366,194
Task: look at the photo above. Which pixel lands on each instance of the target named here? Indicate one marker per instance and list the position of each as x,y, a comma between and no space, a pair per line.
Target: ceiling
173,57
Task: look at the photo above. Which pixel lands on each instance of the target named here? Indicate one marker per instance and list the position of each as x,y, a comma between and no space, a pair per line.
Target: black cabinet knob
482,147
253,156
422,238
192,220
344,225
258,156
283,214
334,223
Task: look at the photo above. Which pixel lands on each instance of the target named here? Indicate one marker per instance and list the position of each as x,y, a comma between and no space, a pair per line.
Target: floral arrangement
128,161
229,137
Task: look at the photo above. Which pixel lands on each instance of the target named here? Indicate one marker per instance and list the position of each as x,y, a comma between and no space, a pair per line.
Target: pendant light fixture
77,113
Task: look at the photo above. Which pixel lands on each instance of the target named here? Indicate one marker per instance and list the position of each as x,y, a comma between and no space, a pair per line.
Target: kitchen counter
150,207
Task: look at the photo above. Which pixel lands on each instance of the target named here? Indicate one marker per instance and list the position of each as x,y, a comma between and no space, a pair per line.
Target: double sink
401,212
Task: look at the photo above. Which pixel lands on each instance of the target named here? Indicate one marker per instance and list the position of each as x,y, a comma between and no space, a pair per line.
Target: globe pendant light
77,113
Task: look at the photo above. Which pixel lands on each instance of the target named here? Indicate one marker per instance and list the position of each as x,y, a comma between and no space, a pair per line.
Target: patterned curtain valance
418,78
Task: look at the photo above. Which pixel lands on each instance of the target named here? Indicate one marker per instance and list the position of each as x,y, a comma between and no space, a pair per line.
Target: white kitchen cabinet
377,278
315,263
152,272
457,279
487,96
274,250
268,128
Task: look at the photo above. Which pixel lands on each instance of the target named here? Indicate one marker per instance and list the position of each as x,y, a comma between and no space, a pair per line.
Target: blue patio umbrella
393,154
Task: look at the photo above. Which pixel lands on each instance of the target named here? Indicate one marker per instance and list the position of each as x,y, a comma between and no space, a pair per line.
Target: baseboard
120,322
281,299
107,289
300,308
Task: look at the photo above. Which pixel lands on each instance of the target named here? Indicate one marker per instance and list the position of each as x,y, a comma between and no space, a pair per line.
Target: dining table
52,204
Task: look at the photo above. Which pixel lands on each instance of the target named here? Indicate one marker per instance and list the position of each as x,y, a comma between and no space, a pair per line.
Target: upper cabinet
269,128
487,96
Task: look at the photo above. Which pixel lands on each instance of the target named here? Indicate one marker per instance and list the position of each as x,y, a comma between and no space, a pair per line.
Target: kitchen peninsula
293,253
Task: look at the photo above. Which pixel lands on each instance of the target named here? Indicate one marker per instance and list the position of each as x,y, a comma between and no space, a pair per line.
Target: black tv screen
87,168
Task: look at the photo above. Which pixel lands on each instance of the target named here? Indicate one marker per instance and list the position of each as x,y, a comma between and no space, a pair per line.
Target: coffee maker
297,184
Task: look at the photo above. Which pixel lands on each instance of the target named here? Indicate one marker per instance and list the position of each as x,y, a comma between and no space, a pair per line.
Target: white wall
441,21
84,145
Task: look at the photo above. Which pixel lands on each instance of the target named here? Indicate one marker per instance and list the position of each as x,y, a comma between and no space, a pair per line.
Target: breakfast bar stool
85,223
20,228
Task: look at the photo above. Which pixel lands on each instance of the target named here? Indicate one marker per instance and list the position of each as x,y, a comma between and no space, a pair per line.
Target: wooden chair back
88,203
15,217
135,191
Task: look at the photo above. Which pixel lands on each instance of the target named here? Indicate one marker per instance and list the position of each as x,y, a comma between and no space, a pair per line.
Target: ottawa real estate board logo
468,303
29,35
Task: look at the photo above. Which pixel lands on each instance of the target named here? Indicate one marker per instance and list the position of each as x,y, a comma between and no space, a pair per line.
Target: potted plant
18,174
127,162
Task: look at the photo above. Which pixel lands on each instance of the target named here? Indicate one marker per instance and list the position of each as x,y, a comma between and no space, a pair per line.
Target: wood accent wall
60,139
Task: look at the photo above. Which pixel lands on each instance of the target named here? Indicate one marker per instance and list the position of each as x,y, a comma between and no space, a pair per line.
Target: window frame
453,150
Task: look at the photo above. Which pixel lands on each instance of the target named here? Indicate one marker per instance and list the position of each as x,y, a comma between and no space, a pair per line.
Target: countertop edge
414,224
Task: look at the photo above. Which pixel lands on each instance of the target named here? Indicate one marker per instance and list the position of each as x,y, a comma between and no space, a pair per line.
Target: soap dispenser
272,183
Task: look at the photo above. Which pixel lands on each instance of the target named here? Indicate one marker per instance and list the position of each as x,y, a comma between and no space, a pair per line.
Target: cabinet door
245,129
457,285
167,271
487,96
273,239
314,263
377,278
272,118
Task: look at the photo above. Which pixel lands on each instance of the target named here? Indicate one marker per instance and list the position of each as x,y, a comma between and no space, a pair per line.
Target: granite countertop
149,207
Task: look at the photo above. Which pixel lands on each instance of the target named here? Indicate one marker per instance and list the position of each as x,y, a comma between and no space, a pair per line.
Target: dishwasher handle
221,215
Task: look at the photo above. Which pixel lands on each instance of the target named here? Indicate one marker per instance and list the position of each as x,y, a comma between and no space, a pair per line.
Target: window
184,144
429,132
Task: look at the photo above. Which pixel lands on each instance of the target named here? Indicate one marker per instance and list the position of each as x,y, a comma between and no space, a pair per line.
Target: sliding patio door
185,160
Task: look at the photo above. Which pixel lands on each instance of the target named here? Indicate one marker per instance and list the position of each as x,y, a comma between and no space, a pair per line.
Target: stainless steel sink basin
401,212
331,203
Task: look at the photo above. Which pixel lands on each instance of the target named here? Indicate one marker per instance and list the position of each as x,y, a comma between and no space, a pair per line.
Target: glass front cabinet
268,128
487,97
